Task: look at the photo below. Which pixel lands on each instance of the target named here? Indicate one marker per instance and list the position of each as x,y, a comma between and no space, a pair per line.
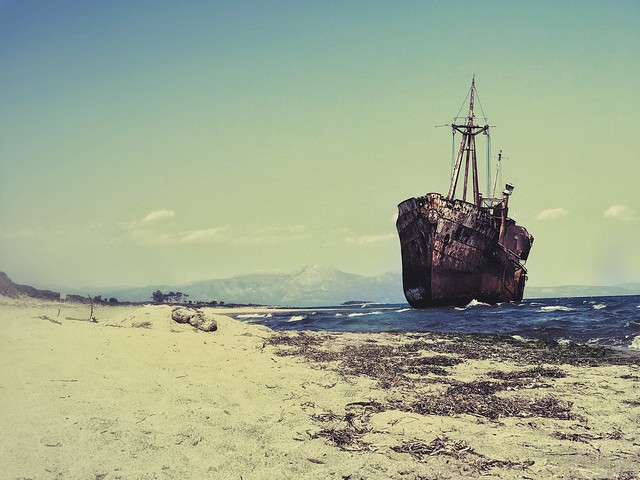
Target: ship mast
467,152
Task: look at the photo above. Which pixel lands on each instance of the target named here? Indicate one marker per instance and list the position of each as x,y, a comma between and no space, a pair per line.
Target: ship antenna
467,151
495,182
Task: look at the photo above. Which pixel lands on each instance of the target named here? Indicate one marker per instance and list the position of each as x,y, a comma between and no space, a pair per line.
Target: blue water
611,321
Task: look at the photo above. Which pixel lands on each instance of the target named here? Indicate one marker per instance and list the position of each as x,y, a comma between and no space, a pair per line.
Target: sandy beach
136,395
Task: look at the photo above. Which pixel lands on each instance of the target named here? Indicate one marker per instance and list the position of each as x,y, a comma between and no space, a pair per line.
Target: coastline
139,396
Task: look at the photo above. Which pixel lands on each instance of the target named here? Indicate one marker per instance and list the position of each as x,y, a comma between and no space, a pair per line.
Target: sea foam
473,303
364,314
556,308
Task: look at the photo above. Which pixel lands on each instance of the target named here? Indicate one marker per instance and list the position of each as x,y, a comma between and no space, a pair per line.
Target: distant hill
309,286
582,291
10,289
317,286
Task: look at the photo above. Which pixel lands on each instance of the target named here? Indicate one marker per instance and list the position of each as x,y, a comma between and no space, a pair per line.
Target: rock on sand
196,318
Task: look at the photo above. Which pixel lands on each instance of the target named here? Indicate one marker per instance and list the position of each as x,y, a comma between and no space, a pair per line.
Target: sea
599,321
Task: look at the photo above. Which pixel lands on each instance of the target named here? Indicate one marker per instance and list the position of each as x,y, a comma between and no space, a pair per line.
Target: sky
161,142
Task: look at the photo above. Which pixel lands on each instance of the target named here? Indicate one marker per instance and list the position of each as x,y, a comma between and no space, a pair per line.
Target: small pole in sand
91,317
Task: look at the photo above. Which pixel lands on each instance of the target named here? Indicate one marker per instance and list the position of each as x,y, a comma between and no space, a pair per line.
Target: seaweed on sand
375,361
389,364
450,349
507,348
347,438
431,364
583,437
459,450
535,372
305,345
347,435
438,446
492,407
299,339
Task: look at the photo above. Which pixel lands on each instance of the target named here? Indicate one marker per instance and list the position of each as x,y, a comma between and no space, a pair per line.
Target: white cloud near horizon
619,212
238,235
187,237
157,215
552,214
152,217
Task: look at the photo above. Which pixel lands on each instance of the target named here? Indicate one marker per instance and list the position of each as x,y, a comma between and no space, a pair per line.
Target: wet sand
139,396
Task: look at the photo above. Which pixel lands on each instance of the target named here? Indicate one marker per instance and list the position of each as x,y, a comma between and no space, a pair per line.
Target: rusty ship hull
451,254
455,251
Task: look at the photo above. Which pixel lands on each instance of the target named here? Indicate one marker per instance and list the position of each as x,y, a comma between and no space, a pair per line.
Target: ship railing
490,202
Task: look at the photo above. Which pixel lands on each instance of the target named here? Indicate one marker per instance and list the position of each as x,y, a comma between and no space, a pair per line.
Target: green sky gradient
163,142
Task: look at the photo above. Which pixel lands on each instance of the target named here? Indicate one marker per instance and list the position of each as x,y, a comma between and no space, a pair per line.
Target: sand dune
139,396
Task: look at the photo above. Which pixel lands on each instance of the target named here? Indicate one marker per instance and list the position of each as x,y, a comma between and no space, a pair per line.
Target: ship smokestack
506,193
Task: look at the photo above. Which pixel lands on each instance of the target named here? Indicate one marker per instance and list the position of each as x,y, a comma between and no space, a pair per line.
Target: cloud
157,215
246,235
197,236
552,214
161,234
151,217
619,212
147,236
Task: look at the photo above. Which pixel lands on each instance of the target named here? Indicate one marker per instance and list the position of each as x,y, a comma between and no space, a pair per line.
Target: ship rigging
454,250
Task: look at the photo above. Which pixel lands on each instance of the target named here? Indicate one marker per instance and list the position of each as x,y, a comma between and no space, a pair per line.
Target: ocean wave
473,303
635,343
364,314
599,306
556,308
404,310
296,318
254,315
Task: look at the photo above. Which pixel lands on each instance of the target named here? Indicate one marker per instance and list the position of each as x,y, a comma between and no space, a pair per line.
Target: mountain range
309,286
318,285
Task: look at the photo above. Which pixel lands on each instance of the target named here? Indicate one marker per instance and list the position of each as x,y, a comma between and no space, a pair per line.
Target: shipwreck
456,250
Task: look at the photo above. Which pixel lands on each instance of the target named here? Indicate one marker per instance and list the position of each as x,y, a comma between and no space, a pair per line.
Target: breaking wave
364,314
473,303
556,308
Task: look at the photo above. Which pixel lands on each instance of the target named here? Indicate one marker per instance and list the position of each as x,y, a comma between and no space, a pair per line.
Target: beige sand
138,396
